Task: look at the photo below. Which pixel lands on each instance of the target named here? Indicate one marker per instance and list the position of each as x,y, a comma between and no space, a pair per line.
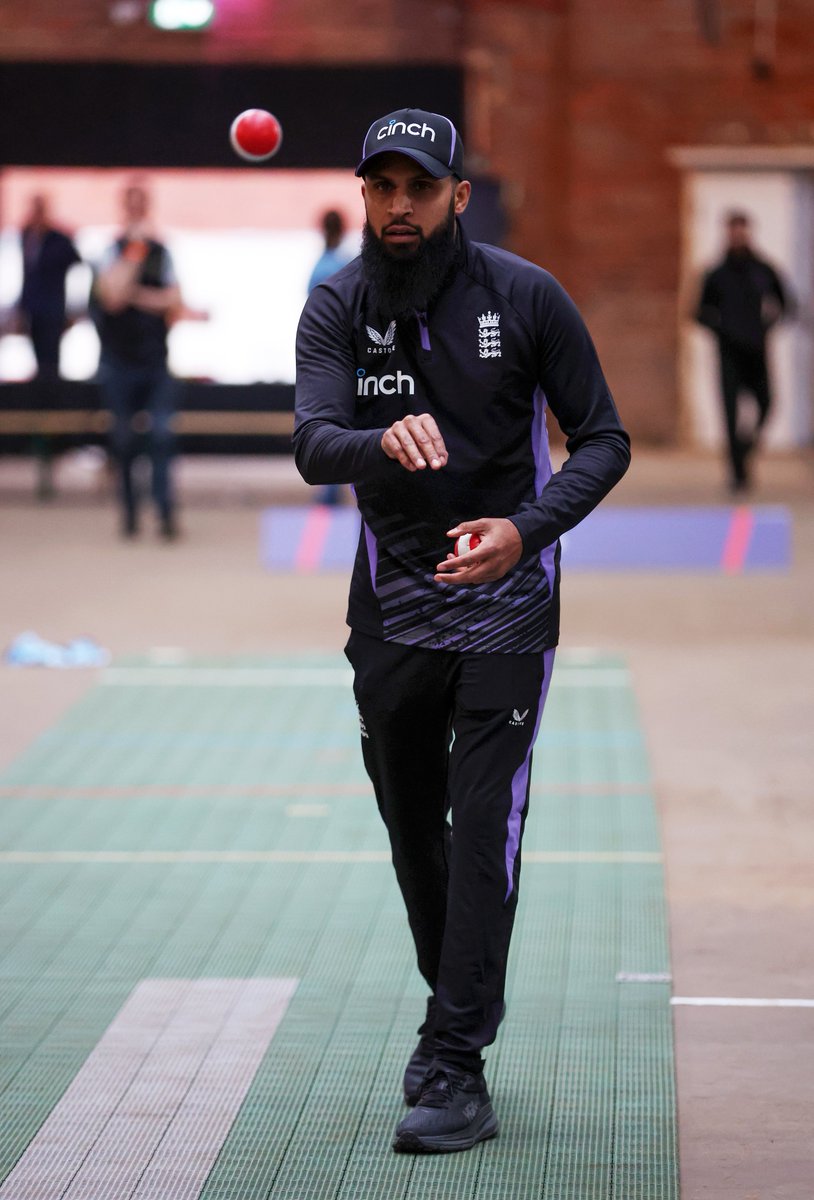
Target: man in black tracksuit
424,371
741,299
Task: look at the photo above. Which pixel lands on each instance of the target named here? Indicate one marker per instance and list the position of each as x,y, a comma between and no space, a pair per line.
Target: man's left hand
500,548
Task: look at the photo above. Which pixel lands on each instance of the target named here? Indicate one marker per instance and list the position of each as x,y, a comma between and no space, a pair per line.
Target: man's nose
400,203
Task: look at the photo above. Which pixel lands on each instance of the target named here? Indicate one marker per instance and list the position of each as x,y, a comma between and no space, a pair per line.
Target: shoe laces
439,1087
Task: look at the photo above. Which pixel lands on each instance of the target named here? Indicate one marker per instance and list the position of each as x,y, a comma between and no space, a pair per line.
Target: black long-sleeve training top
501,343
741,299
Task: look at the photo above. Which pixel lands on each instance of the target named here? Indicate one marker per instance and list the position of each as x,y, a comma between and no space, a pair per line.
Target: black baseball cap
428,138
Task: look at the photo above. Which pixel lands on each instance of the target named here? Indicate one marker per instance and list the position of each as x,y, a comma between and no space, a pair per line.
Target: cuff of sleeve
536,535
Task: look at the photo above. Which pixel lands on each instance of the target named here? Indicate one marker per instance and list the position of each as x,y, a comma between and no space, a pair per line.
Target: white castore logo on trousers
519,718
489,335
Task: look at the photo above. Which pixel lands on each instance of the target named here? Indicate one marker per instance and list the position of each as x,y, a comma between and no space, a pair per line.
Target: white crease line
644,977
282,677
295,856
307,810
738,1002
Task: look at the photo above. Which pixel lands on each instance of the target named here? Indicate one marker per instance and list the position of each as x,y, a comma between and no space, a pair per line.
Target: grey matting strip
147,1114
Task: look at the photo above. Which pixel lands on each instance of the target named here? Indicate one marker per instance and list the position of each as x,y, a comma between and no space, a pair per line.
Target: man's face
405,204
739,234
136,203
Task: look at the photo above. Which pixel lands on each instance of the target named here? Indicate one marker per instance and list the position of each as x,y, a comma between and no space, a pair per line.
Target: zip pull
424,331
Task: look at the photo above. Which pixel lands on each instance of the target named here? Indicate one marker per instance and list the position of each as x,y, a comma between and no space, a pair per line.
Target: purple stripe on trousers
520,782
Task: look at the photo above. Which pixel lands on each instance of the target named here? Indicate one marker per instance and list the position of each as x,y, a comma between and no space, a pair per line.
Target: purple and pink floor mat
731,540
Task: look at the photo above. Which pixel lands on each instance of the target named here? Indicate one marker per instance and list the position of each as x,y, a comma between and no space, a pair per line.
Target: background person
332,259
136,299
741,299
48,255
333,256
424,369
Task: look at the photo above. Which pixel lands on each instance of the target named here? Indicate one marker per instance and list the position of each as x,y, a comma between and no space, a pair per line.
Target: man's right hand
415,442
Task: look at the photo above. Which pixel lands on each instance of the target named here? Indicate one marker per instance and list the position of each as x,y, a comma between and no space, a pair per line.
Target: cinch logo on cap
430,139
414,129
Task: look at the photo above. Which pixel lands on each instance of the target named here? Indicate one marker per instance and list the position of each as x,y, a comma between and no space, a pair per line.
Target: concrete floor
724,673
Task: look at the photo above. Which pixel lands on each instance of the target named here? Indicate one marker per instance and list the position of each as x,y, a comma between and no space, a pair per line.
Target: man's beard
402,286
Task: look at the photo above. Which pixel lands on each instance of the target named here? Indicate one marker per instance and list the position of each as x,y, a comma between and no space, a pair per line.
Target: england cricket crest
489,335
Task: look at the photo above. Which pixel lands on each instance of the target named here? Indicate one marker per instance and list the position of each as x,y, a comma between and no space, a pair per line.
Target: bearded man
424,371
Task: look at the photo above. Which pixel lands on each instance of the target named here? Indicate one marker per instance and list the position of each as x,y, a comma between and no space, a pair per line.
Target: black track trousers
743,371
450,735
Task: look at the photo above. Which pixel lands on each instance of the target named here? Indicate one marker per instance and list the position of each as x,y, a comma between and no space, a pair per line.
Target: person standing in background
332,259
48,255
136,297
742,298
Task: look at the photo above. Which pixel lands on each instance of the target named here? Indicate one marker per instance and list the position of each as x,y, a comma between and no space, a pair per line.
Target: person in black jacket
424,372
48,255
741,299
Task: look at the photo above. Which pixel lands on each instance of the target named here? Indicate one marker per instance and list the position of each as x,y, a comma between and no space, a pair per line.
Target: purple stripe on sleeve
539,442
520,782
542,474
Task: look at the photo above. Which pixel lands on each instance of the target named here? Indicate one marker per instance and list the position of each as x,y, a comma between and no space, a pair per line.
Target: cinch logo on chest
385,385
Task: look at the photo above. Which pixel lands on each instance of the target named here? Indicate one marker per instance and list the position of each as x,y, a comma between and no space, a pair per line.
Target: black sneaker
421,1058
453,1112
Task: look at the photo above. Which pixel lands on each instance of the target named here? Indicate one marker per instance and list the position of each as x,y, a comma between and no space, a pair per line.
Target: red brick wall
571,103
591,191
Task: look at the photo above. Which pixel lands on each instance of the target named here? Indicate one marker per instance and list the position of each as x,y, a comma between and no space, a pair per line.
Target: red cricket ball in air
256,135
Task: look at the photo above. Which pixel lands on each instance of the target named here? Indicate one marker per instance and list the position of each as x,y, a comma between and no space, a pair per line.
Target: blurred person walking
742,298
424,372
136,299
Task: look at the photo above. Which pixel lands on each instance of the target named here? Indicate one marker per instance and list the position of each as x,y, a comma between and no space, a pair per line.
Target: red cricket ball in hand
256,135
466,542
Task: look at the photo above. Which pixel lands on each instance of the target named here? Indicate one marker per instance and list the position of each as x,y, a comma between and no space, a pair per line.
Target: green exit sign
182,14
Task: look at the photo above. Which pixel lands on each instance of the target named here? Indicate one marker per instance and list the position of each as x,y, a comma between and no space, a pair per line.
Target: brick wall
575,104
571,103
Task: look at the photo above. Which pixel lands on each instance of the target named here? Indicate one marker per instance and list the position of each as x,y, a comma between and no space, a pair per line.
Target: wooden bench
47,419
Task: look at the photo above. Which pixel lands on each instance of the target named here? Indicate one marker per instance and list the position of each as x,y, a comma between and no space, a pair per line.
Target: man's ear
463,190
